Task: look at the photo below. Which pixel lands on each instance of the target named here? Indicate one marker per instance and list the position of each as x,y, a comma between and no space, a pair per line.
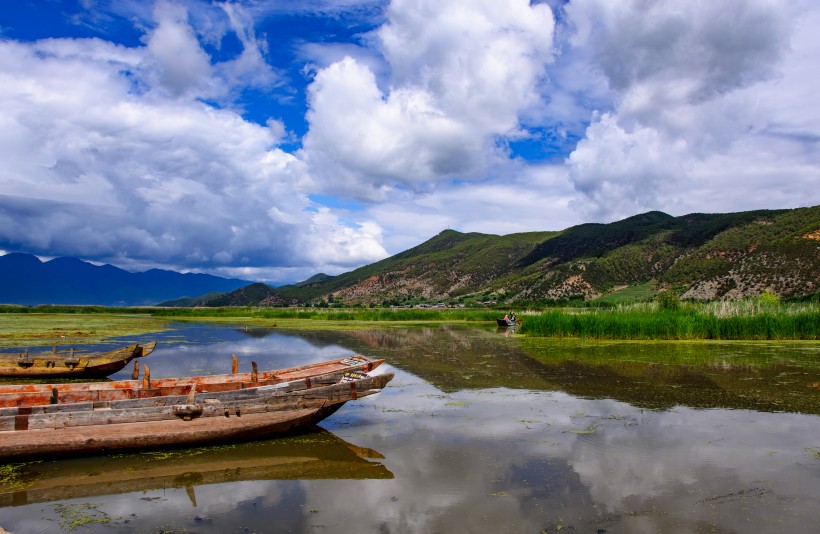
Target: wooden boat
207,414
31,394
319,455
71,364
505,323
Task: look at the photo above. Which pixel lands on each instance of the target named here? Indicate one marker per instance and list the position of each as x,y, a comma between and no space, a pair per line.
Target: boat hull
46,432
72,392
53,365
81,440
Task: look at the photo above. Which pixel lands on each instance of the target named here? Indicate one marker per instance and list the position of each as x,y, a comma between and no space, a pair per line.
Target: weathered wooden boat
31,394
316,456
71,364
505,322
211,413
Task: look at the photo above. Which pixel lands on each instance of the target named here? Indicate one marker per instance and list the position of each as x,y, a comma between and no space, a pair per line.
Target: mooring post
135,374
234,365
146,378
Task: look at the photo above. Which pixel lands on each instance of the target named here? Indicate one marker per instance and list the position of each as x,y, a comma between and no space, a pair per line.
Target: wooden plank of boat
322,455
38,394
208,418
253,398
61,364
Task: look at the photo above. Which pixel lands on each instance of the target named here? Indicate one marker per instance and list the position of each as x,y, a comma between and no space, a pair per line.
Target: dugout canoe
71,364
30,394
240,412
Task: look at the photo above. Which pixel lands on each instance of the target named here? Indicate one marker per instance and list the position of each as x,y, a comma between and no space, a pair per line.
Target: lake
481,430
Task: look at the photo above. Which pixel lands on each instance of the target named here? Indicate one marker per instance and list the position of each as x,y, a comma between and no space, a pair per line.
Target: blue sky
271,140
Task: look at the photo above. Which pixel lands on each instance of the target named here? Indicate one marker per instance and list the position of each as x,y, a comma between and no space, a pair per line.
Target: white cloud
460,74
526,198
138,155
101,165
696,89
182,65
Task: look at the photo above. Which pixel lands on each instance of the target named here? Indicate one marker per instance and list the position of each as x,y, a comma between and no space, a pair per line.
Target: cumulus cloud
529,197
182,65
139,154
110,156
460,74
687,85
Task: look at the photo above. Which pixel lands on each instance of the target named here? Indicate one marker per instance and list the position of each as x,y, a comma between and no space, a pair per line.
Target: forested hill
702,256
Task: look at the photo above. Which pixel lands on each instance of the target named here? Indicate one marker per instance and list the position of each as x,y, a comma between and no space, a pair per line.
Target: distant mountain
257,294
24,279
701,256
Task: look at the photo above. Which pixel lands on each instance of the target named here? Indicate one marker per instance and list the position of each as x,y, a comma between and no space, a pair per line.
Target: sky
271,140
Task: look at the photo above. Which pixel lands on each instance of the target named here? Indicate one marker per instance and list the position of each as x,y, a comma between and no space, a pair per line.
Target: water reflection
657,375
314,455
482,432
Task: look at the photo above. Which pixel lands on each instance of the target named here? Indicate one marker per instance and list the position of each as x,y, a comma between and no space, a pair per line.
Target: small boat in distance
194,411
504,323
71,364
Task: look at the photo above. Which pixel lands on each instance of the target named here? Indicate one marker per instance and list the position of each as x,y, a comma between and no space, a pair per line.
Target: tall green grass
690,322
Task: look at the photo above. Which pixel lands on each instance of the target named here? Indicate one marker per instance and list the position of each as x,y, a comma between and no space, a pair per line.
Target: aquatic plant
744,320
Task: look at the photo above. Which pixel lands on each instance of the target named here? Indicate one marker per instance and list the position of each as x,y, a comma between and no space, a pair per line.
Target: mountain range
700,256
25,279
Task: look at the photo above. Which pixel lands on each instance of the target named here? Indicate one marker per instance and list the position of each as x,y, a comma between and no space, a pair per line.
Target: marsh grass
741,320
46,329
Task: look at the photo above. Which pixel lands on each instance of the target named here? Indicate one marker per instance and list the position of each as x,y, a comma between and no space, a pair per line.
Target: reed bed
738,321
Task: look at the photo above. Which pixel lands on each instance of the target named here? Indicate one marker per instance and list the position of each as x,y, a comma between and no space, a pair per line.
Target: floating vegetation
17,475
457,403
587,431
737,495
79,515
171,454
556,526
814,451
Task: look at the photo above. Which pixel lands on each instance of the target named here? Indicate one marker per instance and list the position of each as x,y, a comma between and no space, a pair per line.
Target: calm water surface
480,431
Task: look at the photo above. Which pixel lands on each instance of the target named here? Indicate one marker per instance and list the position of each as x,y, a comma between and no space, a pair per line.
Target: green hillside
701,256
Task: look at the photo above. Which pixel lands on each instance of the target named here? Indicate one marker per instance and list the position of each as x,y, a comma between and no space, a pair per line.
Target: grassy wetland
744,320
47,329
762,318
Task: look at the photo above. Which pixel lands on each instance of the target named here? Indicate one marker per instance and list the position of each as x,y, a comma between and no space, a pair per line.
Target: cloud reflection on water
502,459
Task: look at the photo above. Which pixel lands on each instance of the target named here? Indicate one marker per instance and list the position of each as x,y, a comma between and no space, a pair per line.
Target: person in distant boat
506,318
512,316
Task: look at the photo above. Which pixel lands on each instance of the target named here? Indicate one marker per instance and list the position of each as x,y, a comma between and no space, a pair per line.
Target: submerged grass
686,323
45,329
